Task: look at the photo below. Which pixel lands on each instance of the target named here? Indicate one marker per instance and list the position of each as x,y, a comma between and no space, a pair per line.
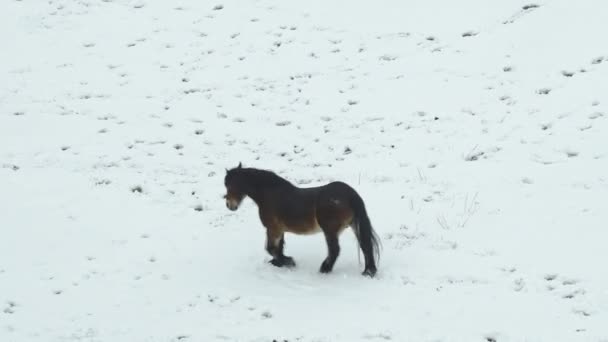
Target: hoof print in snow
347,150
529,7
567,73
388,58
218,7
103,182
507,69
137,189
519,285
470,34
571,154
198,208
527,180
491,339
597,60
192,91
10,166
199,132
543,91
266,315
584,128
571,295
178,146
581,312
10,309
508,269
473,156
595,115
18,113
283,123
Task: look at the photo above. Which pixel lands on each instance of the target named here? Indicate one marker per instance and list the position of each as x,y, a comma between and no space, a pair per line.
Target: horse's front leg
275,243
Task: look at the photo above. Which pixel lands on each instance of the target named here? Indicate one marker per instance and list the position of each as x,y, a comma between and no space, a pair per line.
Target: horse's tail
369,241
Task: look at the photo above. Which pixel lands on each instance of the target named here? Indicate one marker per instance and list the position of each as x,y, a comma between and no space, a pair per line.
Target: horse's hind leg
333,250
275,243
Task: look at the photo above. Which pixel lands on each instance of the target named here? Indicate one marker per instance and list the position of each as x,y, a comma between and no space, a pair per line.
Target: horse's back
308,210
336,191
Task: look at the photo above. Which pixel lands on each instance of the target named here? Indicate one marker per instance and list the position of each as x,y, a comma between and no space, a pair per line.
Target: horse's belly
304,229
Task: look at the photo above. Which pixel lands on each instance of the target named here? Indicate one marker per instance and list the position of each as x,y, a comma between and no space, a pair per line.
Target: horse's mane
261,177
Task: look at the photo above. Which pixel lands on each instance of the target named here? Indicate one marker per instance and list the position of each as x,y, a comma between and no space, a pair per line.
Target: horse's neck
255,194
259,191
254,190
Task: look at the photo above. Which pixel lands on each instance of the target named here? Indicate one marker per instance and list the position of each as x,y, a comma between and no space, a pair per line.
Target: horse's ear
226,170
240,165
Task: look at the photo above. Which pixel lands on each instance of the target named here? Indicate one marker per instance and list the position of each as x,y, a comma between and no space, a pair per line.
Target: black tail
367,237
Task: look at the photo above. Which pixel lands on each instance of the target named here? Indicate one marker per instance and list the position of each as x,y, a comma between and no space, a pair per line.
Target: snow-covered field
476,131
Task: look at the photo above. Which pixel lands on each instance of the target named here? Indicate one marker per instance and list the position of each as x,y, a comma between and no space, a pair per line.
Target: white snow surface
475,131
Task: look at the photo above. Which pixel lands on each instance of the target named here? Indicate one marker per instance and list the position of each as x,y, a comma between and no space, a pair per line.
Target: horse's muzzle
232,205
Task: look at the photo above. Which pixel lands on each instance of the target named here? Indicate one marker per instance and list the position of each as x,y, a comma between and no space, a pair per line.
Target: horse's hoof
325,268
369,272
277,262
289,262
283,262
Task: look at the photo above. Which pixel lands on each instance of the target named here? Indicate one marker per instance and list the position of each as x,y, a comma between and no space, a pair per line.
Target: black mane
259,178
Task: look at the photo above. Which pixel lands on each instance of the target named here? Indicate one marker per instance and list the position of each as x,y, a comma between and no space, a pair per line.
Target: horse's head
235,192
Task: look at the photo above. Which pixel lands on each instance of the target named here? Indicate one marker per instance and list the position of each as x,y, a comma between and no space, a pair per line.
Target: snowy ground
476,131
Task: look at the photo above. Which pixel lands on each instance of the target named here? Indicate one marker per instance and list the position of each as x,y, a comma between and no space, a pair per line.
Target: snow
475,131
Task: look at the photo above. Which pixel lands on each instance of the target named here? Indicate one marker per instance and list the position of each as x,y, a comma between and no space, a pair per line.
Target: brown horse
283,207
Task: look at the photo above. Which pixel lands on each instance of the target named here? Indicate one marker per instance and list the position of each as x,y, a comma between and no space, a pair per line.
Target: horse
284,207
